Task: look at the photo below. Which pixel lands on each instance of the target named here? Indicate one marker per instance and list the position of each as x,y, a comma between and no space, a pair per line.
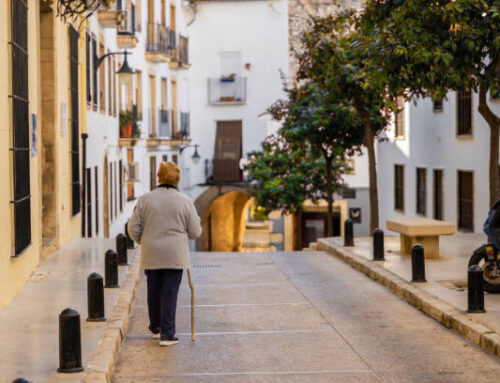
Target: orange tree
423,48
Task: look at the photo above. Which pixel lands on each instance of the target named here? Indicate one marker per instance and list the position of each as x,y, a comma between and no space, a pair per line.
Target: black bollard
70,343
130,241
378,245
111,269
95,298
121,249
475,292
417,264
348,233
21,380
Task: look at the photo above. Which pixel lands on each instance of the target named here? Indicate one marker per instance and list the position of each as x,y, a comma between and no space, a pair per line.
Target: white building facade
133,127
435,163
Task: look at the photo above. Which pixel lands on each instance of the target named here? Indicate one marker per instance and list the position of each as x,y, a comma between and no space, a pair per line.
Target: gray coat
162,222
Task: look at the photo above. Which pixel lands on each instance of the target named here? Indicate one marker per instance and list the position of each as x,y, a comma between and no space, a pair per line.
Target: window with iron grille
421,190
96,191
400,118
116,188
464,113
399,187
88,69
95,90
20,125
120,184
495,94
465,185
111,191
75,121
88,191
438,194
438,105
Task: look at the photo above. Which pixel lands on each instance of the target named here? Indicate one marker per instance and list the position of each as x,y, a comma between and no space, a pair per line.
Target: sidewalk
29,324
446,276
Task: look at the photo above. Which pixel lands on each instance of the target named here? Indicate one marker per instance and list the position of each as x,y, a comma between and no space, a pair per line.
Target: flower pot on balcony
126,131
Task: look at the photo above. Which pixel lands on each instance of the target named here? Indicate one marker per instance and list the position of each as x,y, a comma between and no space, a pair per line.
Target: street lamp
125,73
196,156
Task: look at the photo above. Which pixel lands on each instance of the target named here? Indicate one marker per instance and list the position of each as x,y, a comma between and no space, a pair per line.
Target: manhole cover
207,266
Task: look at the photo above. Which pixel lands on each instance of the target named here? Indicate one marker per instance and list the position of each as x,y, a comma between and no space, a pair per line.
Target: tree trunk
494,124
298,229
372,163
329,196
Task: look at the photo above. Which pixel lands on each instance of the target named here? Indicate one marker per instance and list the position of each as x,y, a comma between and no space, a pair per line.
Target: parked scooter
486,256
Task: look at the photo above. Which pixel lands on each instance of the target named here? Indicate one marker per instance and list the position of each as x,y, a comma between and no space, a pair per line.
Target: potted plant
126,121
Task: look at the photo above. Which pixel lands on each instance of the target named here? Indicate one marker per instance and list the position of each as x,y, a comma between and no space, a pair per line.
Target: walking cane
191,286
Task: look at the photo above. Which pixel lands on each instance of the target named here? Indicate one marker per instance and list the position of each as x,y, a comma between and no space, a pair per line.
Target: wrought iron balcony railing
227,90
164,123
158,39
185,125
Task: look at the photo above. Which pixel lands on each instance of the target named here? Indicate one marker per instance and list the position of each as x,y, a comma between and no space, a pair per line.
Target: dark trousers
163,287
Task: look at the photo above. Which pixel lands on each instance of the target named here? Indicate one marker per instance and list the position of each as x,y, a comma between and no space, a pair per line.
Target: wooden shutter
228,151
464,113
465,187
75,121
399,187
438,194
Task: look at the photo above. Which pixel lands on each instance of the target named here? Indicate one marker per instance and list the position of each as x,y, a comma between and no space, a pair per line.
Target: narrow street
296,317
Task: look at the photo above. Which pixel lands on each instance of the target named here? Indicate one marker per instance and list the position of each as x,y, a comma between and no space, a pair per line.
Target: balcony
112,16
230,90
126,37
163,132
129,131
157,48
180,55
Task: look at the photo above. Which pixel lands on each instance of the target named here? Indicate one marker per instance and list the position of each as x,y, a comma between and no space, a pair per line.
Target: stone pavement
29,333
446,276
296,317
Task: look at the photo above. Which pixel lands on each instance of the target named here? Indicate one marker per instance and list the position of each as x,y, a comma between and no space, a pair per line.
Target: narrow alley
296,317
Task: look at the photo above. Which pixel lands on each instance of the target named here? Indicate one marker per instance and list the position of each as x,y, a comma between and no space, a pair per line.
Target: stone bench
424,231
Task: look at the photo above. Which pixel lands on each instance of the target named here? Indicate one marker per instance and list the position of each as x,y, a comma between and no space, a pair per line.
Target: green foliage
283,175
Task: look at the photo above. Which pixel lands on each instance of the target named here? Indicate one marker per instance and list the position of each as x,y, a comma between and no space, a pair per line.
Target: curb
101,363
464,324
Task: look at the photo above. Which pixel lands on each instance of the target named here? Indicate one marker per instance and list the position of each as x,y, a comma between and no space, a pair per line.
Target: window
438,194
400,119
174,158
138,94
152,172
348,193
464,113
421,190
165,158
94,72
111,191
495,94
96,191
88,194
120,183
110,85
102,81
465,185
88,68
438,105
399,188
20,126
75,121
130,185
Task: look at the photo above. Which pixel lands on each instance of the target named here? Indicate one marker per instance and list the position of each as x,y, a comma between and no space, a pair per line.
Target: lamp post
195,157
125,73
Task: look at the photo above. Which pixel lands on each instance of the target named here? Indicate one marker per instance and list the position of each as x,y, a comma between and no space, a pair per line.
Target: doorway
47,128
314,226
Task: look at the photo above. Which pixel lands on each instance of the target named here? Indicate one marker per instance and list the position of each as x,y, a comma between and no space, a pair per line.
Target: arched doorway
222,210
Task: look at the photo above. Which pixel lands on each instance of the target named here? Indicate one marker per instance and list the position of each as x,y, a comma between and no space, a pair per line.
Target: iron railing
164,123
185,125
158,38
172,39
227,90
181,53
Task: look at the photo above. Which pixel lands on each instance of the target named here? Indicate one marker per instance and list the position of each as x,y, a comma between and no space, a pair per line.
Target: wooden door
228,150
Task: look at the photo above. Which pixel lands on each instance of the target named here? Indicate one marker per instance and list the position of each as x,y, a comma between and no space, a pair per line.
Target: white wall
259,31
431,142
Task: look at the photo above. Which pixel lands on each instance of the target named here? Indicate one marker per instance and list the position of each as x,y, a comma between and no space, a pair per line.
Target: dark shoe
156,332
168,340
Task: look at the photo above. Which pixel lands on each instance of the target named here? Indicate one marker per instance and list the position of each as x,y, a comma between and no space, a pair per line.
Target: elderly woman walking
162,222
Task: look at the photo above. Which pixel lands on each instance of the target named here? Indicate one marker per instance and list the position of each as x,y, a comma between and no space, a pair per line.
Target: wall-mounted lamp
195,157
125,73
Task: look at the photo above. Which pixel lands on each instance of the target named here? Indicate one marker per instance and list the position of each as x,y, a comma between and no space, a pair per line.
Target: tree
334,57
311,118
426,49
283,175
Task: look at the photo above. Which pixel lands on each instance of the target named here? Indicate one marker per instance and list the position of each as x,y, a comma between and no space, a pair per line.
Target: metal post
475,292
348,233
121,249
111,269
84,185
95,298
21,380
130,241
417,264
70,344
378,245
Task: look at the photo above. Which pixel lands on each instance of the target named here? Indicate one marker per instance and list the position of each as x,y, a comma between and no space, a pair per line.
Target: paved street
296,317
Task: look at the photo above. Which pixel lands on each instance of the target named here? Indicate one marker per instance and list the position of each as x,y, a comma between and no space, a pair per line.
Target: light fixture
196,157
125,73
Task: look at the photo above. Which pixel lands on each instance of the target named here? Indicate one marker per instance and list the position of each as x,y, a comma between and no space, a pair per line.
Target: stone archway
221,210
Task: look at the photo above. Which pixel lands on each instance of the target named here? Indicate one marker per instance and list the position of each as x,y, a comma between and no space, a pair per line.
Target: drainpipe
84,182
